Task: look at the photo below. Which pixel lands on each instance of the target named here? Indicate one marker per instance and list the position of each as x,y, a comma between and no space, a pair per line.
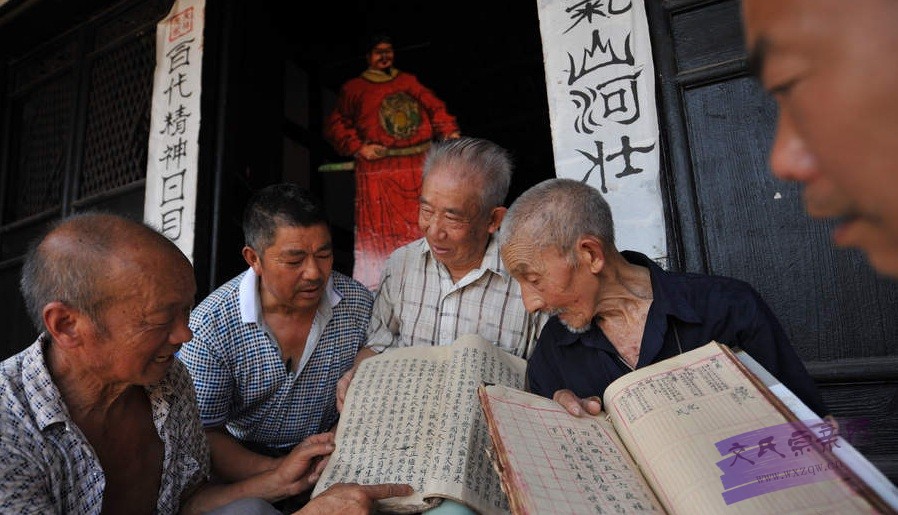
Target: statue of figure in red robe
385,119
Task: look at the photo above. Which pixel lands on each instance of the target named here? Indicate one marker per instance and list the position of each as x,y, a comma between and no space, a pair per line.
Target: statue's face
381,57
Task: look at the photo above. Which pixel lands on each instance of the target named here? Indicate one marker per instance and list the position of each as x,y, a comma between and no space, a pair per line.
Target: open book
412,415
697,433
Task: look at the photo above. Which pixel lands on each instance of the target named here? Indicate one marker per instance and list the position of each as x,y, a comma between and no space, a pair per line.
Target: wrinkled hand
577,406
299,470
352,498
372,151
343,387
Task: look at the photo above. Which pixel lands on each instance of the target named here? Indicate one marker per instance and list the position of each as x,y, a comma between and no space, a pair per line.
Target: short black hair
278,205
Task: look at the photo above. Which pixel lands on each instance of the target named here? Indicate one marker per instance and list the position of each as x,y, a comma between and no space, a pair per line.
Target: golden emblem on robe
400,115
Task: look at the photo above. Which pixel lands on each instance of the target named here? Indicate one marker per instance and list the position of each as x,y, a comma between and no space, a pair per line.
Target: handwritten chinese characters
175,146
602,76
170,202
600,84
412,415
674,388
560,464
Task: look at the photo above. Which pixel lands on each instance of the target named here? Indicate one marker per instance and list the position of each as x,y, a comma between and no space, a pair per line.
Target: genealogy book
412,415
701,432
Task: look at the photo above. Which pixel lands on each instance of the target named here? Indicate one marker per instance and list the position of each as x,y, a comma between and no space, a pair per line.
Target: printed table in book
697,433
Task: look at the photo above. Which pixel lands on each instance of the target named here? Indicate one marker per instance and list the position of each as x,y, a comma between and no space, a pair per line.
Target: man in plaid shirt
452,281
269,345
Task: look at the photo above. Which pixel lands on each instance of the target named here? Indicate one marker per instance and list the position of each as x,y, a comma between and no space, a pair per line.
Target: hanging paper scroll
601,90
170,203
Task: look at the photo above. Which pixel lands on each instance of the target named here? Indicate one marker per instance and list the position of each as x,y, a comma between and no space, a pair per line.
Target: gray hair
477,161
555,214
279,205
70,263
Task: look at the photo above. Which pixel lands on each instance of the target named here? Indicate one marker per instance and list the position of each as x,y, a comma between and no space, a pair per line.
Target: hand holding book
697,433
577,406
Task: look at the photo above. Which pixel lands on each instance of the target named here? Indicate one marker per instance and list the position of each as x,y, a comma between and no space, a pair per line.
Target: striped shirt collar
491,262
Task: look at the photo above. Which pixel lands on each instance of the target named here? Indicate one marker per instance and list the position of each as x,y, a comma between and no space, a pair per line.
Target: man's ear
251,257
496,216
63,322
592,253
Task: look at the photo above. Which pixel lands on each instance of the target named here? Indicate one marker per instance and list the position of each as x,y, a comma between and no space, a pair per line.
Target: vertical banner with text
170,204
601,88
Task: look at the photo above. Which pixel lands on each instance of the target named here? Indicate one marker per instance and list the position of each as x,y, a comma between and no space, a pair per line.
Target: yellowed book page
553,462
461,468
710,442
411,415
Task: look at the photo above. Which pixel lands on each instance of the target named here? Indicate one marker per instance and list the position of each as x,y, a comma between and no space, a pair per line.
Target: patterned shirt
417,303
240,377
47,464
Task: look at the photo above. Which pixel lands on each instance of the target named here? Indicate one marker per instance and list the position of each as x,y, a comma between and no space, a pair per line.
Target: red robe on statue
398,112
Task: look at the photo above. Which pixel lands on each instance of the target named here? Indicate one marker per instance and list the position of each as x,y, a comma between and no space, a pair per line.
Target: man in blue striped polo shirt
269,345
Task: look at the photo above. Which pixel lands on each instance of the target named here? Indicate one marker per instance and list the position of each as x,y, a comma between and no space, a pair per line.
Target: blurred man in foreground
831,67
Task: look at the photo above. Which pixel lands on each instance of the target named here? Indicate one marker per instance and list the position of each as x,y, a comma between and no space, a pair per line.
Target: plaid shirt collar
251,301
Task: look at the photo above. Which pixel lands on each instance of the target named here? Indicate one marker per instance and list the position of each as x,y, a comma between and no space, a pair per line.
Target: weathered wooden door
730,216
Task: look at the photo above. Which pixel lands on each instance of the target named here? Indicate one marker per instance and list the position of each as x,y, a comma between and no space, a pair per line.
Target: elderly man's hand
352,499
343,387
577,406
298,471
346,378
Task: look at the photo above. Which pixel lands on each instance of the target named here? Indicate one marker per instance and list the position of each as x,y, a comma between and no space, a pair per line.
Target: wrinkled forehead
166,264
446,189
156,277
522,256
